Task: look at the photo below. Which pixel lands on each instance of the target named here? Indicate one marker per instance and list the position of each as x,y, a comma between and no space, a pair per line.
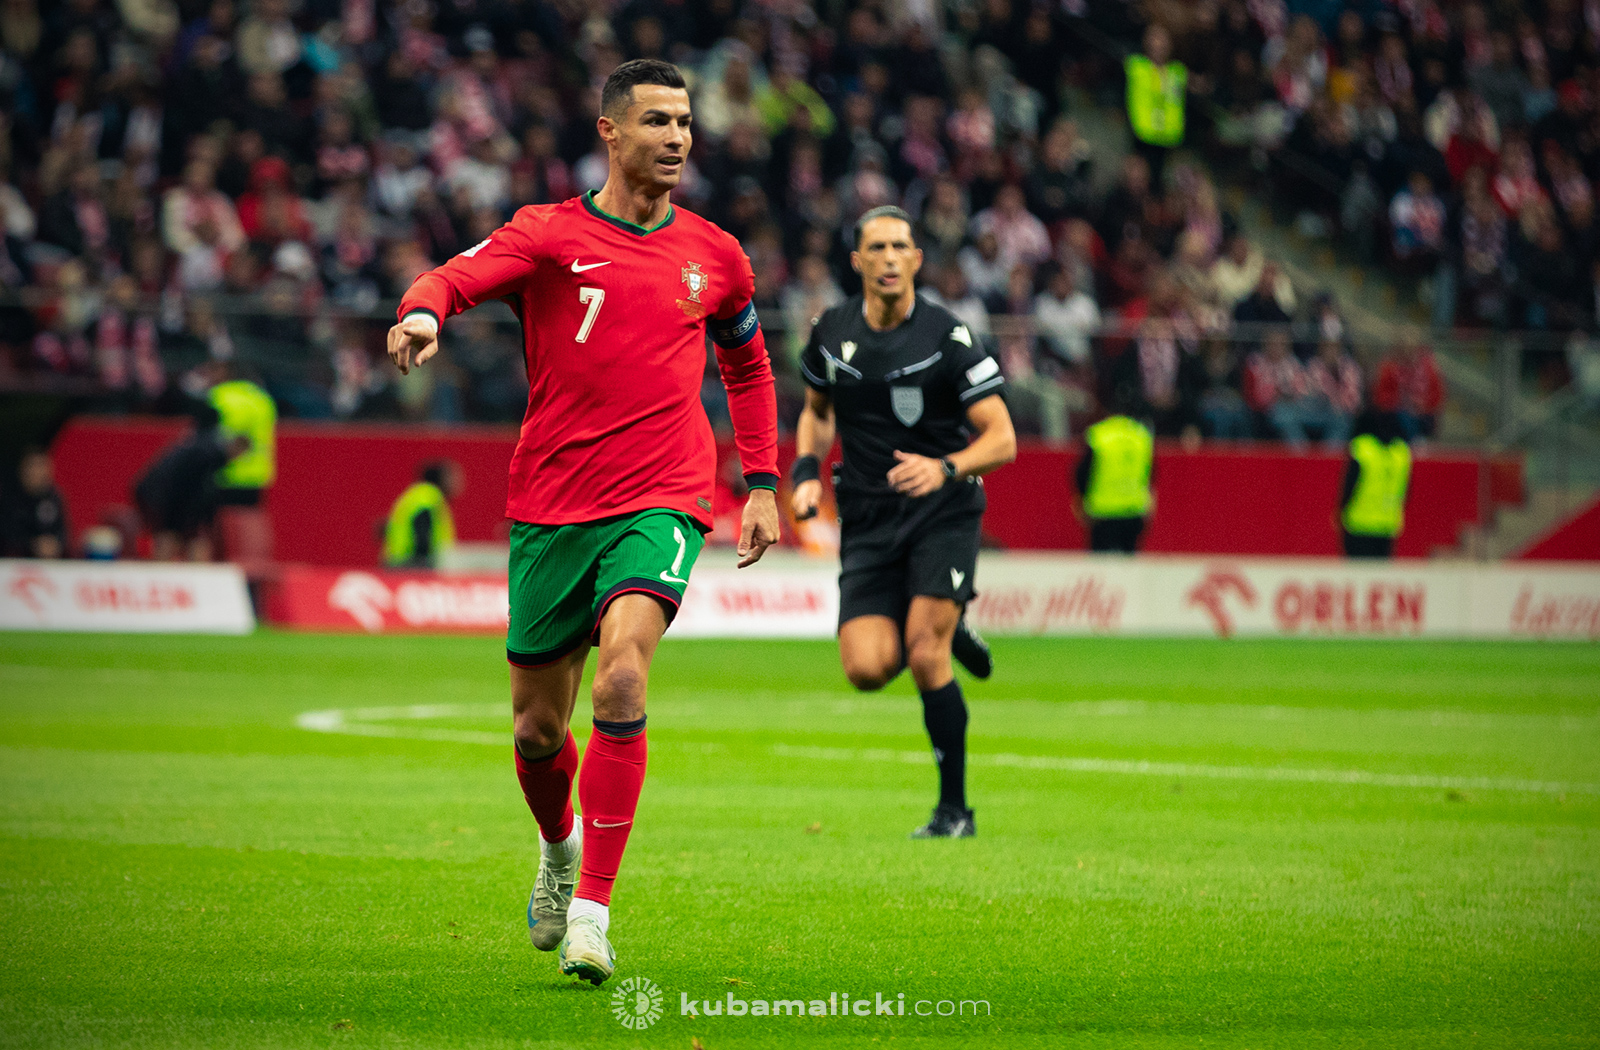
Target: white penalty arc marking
369,721
363,721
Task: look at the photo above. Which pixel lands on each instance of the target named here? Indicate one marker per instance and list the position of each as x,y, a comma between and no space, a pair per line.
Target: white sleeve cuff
422,315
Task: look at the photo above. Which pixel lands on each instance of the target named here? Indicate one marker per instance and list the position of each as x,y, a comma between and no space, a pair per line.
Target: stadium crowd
189,182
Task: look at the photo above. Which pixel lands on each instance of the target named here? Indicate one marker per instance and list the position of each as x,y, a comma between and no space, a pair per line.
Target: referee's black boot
970,650
948,822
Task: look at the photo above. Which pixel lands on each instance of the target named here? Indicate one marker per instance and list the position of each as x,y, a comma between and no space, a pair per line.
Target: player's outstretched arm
994,444
813,440
495,268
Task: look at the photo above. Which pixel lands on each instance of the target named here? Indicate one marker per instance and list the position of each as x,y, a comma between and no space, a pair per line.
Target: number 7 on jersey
594,297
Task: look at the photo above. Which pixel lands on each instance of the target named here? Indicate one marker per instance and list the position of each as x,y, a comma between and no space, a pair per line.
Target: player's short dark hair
618,91
434,472
887,211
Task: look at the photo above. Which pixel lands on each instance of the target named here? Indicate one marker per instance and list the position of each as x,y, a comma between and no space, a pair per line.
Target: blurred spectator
1409,385
1416,221
1032,376
984,268
1019,236
1060,187
1335,394
952,292
1218,401
1237,274
269,211
1066,317
1266,304
941,229
201,227
1276,388
33,515
805,297
1151,377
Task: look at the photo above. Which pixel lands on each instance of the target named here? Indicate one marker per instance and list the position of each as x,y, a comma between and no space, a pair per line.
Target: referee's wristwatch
950,471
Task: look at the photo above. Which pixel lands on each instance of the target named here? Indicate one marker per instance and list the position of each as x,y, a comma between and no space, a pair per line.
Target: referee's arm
813,436
994,444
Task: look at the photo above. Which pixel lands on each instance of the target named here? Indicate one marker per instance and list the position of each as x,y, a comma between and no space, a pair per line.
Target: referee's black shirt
907,388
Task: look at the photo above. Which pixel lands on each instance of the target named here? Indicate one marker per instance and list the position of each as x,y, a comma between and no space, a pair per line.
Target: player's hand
806,499
916,475
760,528
412,342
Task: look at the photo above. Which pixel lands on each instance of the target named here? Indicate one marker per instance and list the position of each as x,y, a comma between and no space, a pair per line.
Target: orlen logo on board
1350,607
1212,595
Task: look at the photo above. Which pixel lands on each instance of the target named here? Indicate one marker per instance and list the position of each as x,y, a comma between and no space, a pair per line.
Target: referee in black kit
906,386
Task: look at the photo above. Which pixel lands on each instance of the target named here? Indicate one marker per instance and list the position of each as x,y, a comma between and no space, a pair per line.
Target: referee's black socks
944,712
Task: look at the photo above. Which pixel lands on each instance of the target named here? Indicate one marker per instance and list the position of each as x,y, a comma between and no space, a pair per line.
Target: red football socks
608,788
547,785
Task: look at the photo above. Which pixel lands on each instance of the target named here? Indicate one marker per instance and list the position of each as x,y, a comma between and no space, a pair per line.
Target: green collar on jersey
624,224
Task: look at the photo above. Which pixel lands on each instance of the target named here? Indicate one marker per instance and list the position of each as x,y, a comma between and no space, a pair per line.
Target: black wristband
805,468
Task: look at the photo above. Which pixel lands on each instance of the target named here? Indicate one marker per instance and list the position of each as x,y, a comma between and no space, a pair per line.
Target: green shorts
563,577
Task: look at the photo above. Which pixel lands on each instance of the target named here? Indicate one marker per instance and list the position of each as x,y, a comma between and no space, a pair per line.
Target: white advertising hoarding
123,596
1050,594
1287,597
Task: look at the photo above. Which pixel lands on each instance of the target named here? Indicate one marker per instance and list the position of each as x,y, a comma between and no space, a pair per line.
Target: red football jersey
614,320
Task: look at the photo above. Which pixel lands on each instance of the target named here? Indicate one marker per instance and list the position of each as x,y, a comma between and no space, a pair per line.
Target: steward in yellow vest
420,527
1157,87
246,411
1113,479
1377,479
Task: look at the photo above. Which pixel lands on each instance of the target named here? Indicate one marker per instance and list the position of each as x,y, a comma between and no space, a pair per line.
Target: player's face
652,138
887,258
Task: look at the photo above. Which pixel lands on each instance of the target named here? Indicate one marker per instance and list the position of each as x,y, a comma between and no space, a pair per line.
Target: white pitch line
1182,769
360,721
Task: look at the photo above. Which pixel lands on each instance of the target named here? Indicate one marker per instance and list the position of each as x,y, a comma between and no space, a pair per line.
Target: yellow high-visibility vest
399,538
1155,100
1377,507
247,410
1119,477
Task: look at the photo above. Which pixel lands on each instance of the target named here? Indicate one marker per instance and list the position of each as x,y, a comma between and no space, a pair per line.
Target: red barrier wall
1575,539
336,482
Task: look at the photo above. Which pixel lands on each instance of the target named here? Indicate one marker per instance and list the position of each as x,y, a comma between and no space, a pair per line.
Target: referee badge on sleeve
907,403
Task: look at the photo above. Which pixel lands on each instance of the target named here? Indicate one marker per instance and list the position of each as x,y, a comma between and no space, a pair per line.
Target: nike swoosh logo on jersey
618,824
672,579
578,267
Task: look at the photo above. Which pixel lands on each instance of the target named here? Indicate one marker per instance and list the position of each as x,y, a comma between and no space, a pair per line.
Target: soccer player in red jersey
611,481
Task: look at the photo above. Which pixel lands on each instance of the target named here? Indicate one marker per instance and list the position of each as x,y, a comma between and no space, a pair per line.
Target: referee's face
887,258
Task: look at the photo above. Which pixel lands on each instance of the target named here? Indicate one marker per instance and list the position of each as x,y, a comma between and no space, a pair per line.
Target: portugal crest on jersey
907,403
696,279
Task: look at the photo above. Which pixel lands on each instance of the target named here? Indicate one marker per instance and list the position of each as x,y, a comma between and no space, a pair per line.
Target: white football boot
552,894
586,953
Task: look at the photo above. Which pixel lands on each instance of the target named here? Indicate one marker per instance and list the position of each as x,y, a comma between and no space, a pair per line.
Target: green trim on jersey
623,224
562,577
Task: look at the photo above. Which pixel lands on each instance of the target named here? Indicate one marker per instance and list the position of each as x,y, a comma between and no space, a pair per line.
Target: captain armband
730,333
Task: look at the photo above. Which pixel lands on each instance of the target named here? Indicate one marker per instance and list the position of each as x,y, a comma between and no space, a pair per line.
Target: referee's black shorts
893,548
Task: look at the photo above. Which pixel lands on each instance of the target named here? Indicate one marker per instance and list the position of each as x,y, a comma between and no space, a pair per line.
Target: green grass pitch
1181,844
